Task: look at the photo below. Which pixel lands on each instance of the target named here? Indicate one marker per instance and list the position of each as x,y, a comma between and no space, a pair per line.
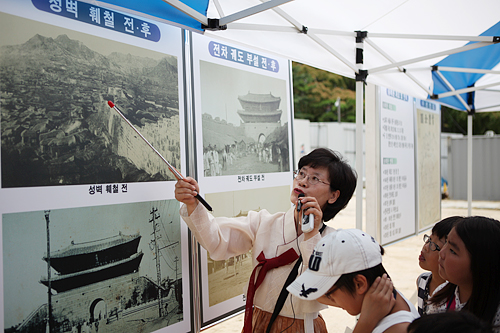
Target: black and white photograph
225,281
115,268
244,121
56,125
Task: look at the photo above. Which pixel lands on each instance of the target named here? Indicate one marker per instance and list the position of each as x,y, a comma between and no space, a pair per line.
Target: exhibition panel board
243,114
91,233
428,162
408,187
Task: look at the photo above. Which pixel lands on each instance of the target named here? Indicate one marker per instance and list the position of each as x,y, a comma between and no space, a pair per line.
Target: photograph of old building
228,279
122,270
244,121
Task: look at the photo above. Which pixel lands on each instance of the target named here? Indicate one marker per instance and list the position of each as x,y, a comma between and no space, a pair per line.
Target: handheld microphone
307,224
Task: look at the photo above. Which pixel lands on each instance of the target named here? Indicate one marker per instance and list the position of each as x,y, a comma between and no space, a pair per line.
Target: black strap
284,293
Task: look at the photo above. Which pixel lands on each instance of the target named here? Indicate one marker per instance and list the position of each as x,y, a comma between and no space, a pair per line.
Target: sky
26,29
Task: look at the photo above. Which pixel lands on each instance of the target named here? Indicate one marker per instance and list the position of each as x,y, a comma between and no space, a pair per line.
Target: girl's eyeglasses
433,246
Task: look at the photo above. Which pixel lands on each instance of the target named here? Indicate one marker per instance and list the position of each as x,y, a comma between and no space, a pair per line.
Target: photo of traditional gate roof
81,264
259,108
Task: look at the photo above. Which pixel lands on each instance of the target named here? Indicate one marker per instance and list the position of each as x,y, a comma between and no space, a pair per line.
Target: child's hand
379,300
378,303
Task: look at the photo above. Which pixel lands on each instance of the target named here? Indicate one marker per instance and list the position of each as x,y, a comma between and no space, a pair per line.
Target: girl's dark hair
454,321
441,230
346,281
481,236
342,177
443,227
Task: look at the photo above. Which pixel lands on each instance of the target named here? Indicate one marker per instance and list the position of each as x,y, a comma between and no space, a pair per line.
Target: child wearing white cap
343,268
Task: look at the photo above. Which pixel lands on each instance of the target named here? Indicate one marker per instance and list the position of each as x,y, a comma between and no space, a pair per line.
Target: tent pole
467,90
431,56
251,11
360,85
469,164
359,154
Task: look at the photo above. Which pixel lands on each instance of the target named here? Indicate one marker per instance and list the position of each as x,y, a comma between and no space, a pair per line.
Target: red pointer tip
111,104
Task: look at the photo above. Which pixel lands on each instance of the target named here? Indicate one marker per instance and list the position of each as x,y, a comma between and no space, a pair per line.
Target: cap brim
310,286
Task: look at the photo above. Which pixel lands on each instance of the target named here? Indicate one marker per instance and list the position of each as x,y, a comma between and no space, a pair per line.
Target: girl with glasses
431,295
322,187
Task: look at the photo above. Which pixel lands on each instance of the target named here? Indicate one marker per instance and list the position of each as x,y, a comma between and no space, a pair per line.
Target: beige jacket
260,231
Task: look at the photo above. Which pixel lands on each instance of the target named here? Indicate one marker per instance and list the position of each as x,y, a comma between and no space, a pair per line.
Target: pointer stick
176,173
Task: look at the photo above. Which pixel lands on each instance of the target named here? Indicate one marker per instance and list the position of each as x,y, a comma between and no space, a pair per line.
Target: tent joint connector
434,96
496,39
362,75
304,30
360,36
213,25
434,68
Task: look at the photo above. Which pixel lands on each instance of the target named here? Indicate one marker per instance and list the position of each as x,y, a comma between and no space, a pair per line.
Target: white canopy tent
392,43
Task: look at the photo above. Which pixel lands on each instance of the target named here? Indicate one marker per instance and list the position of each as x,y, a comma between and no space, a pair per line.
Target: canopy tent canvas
404,38
391,43
469,69
473,73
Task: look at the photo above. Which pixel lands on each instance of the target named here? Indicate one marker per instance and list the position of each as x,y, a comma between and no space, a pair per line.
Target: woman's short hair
342,177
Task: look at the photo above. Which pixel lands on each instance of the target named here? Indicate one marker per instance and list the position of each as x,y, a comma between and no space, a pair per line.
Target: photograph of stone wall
56,126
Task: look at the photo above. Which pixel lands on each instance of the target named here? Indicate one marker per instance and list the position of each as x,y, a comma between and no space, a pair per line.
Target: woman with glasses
433,290
322,186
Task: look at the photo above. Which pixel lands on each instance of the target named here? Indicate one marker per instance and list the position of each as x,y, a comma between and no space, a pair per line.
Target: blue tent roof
486,57
163,11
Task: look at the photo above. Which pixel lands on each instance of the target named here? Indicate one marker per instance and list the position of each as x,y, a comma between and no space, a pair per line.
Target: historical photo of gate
244,122
115,268
225,281
56,125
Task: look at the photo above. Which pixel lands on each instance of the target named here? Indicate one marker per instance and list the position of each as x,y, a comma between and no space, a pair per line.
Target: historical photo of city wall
115,268
244,122
229,278
56,125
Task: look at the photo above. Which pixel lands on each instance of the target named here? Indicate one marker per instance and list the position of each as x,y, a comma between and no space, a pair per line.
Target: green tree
315,92
454,121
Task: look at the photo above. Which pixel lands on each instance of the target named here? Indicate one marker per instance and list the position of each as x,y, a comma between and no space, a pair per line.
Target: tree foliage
454,121
315,92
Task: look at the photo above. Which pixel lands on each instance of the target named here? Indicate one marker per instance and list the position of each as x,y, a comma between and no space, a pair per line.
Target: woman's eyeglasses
433,246
312,180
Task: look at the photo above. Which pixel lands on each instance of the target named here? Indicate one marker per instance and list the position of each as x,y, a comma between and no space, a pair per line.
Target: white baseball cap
340,252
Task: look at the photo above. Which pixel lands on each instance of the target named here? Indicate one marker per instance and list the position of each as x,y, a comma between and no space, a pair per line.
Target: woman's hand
311,206
185,191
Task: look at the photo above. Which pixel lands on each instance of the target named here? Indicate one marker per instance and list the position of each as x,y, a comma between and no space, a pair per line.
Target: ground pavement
400,261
